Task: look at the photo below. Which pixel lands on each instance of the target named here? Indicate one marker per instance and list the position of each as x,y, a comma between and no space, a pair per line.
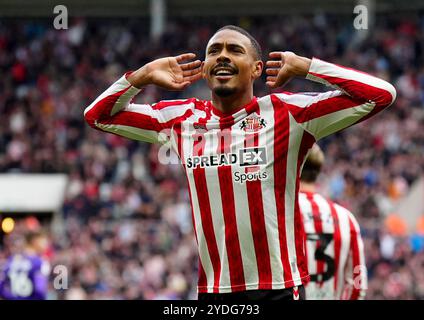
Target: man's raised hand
282,66
171,73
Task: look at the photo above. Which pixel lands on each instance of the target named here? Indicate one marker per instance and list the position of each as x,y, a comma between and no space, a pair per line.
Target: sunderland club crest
252,123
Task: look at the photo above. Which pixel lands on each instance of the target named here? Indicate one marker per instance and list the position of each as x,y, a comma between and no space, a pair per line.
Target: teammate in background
242,154
334,246
25,275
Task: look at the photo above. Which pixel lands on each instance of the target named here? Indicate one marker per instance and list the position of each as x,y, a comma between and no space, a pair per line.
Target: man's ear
258,68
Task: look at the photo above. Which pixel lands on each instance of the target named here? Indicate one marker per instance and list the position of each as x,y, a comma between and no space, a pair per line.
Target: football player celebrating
242,154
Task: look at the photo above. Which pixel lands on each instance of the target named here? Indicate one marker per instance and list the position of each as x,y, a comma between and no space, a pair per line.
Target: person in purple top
25,275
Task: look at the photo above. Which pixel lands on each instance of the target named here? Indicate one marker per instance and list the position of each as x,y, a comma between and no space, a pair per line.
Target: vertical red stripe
281,145
232,243
318,230
202,283
337,243
257,219
355,258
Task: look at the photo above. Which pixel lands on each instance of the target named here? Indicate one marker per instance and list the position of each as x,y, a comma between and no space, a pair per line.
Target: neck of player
306,187
232,102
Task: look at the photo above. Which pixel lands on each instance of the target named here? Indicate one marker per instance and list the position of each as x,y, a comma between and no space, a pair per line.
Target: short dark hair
313,164
253,41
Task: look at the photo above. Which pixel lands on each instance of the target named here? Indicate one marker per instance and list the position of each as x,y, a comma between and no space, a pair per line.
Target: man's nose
223,57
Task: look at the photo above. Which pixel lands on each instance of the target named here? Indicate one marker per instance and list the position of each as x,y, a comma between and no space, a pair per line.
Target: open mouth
223,73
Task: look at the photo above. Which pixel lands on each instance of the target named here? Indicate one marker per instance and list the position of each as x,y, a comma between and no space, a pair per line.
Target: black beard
224,92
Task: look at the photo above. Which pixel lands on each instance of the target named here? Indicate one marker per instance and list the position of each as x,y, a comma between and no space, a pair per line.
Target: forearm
358,97
360,86
300,67
110,102
112,111
140,78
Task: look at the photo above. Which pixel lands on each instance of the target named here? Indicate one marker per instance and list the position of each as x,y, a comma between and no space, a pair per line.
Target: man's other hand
171,73
282,66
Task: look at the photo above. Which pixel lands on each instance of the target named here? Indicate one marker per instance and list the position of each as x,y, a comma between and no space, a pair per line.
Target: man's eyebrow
215,44
232,45
236,45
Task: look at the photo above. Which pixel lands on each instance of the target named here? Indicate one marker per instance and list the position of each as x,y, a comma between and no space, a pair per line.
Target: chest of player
246,147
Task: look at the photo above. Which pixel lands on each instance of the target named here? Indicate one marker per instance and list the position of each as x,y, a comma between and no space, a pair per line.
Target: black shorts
295,293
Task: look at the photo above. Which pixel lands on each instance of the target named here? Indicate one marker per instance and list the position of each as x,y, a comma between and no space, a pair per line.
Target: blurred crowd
126,219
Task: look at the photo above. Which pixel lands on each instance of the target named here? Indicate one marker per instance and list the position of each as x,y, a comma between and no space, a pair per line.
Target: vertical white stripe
266,138
244,227
344,248
295,139
306,210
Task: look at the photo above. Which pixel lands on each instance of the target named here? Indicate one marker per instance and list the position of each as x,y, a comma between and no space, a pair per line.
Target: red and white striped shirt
334,249
242,168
